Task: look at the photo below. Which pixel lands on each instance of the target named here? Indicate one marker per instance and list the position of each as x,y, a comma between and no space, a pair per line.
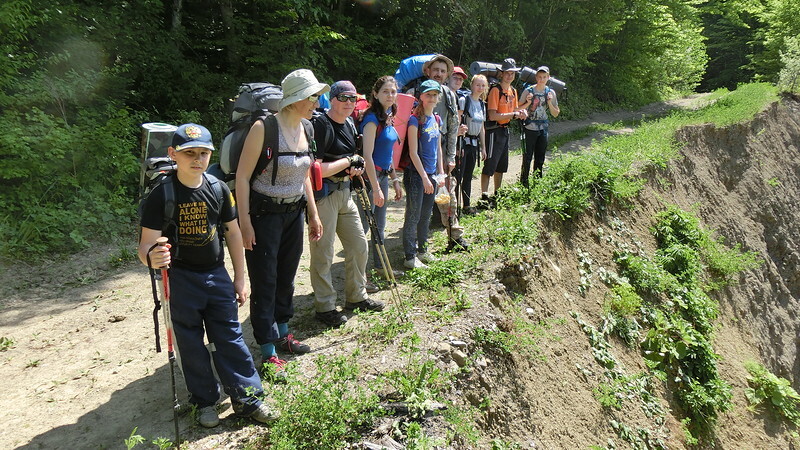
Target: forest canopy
78,77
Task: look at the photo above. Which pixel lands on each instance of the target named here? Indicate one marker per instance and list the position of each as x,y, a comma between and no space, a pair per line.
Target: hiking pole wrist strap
156,301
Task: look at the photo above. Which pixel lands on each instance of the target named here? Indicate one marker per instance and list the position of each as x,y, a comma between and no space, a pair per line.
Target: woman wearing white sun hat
272,199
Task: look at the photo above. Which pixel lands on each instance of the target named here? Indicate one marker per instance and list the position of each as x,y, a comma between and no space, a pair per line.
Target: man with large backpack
439,68
335,134
502,106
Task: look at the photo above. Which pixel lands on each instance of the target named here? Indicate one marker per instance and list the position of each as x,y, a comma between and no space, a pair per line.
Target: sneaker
289,344
470,211
427,257
458,245
371,288
367,304
208,416
332,318
414,263
264,414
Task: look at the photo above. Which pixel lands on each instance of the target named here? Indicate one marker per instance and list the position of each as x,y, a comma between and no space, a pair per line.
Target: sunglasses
314,98
347,98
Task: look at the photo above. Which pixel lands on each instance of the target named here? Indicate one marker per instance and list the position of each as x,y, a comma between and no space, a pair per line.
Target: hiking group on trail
295,162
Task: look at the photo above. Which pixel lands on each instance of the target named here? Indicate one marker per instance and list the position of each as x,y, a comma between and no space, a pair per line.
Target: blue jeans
419,209
205,303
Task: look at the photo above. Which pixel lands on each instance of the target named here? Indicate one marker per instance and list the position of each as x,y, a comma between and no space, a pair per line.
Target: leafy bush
764,385
327,411
418,386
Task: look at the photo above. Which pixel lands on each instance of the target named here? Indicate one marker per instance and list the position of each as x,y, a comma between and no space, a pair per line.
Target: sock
268,350
283,329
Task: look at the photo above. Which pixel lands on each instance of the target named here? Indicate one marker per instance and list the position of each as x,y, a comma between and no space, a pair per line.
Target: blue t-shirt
428,146
384,142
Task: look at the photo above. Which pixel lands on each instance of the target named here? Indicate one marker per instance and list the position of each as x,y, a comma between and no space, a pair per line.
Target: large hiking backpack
410,69
405,156
256,101
253,102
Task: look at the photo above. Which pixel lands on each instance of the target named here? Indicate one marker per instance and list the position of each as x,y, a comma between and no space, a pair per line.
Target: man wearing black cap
335,135
502,106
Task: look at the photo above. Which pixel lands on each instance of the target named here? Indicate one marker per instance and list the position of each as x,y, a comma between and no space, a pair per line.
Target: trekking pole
161,277
363,197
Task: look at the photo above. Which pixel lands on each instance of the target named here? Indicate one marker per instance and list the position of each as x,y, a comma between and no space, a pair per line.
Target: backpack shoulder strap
309,129
270,146
219,194
170,203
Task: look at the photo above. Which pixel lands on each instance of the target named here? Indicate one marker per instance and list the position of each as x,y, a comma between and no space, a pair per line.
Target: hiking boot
414,263
458,245
367,304
427,257
371,288
289,344
332,318
208,416
264,414
470,211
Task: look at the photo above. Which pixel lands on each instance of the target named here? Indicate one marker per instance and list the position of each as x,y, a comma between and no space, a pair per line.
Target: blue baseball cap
191,135
429,85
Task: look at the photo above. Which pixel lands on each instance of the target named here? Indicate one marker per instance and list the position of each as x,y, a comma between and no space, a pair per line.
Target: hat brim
194,144
304,94
516,69
446,60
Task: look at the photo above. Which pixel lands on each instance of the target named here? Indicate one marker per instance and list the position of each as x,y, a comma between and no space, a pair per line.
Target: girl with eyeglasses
272,207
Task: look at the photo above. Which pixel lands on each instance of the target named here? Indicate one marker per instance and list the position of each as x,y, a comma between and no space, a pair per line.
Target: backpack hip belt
261,204
336,183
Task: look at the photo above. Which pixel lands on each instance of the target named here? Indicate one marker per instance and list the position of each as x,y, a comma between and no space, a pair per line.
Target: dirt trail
82,371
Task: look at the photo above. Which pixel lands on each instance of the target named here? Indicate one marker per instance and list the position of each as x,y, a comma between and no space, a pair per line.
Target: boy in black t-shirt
202,296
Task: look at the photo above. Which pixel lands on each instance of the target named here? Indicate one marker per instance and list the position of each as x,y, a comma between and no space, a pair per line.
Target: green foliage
6,343
418,385
134,439
789,76
764,385
439,274
463,432
623,300
326,411
678,343
518,336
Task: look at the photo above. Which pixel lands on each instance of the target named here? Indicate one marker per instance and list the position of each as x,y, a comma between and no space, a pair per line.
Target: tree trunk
226,11
177,11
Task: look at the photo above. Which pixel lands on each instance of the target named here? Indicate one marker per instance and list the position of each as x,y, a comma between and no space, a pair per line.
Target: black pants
535,149
463,172
272,266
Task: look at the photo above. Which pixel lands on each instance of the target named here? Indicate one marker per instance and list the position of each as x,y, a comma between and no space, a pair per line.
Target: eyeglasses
347,98
314,98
